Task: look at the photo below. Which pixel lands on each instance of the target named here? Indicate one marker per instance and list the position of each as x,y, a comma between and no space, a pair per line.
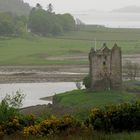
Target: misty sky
82,5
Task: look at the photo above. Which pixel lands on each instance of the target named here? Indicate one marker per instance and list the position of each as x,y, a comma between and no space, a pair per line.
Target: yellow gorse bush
121,117
32,130
50,127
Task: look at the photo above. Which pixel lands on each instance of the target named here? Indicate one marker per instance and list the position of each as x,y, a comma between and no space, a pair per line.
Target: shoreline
39,74
48,98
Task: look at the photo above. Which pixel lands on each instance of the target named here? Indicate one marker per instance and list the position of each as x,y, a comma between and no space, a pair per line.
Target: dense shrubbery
112,118
122,117
40,21
12,25
44,23
87,81
52,126
9,107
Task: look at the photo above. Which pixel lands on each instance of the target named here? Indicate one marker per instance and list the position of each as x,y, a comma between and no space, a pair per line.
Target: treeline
39,21
45,22
11,25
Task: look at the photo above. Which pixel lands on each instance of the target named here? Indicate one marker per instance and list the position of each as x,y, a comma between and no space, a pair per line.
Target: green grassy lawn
83,98
82,101
55,50
19,51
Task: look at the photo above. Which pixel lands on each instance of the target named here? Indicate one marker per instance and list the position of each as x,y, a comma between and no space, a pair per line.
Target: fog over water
98,11
110,19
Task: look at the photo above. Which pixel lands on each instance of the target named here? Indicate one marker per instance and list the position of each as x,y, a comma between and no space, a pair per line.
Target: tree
12,25
44,23
67,21
7,24
9,106
50,8
87,81
38,6
40,22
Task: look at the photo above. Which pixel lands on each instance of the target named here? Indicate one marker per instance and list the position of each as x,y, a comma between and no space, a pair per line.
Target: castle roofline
104,49
116,47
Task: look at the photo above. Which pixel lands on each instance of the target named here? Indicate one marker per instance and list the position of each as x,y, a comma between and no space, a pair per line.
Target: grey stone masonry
105,68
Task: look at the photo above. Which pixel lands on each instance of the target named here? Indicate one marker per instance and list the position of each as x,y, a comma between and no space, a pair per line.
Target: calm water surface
35,91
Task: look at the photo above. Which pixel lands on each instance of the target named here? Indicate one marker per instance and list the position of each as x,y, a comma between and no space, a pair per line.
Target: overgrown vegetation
39,21
118,118
87,81
9,106
12,25
113,118
46,22
108,112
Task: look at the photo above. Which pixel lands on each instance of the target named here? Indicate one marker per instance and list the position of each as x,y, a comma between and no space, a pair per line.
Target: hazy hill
128,9
15,6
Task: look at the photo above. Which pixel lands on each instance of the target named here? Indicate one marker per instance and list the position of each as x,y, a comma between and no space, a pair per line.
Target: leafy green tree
44,22
9,106
7,24
68,22
57,29
40,22
50,8
38,6
12,25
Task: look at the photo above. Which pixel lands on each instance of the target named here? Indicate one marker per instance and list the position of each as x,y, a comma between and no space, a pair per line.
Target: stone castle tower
105,68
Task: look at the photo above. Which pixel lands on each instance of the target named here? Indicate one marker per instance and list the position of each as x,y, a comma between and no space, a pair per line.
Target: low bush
9,106
122,117
52,126
87,81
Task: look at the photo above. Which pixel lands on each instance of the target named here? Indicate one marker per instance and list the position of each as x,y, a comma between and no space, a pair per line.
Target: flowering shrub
28,120
51,126
16,124
12,126
120,117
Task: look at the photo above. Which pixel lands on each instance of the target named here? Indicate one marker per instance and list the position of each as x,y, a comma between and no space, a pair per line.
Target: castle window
105,57
104,63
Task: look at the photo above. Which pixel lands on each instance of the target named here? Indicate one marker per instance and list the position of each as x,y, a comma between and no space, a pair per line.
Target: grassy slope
37,50
82,101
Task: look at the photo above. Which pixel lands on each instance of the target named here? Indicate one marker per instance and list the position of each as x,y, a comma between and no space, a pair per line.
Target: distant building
105,68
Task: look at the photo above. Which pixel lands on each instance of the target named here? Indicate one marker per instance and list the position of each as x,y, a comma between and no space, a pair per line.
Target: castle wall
105,68
116,68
